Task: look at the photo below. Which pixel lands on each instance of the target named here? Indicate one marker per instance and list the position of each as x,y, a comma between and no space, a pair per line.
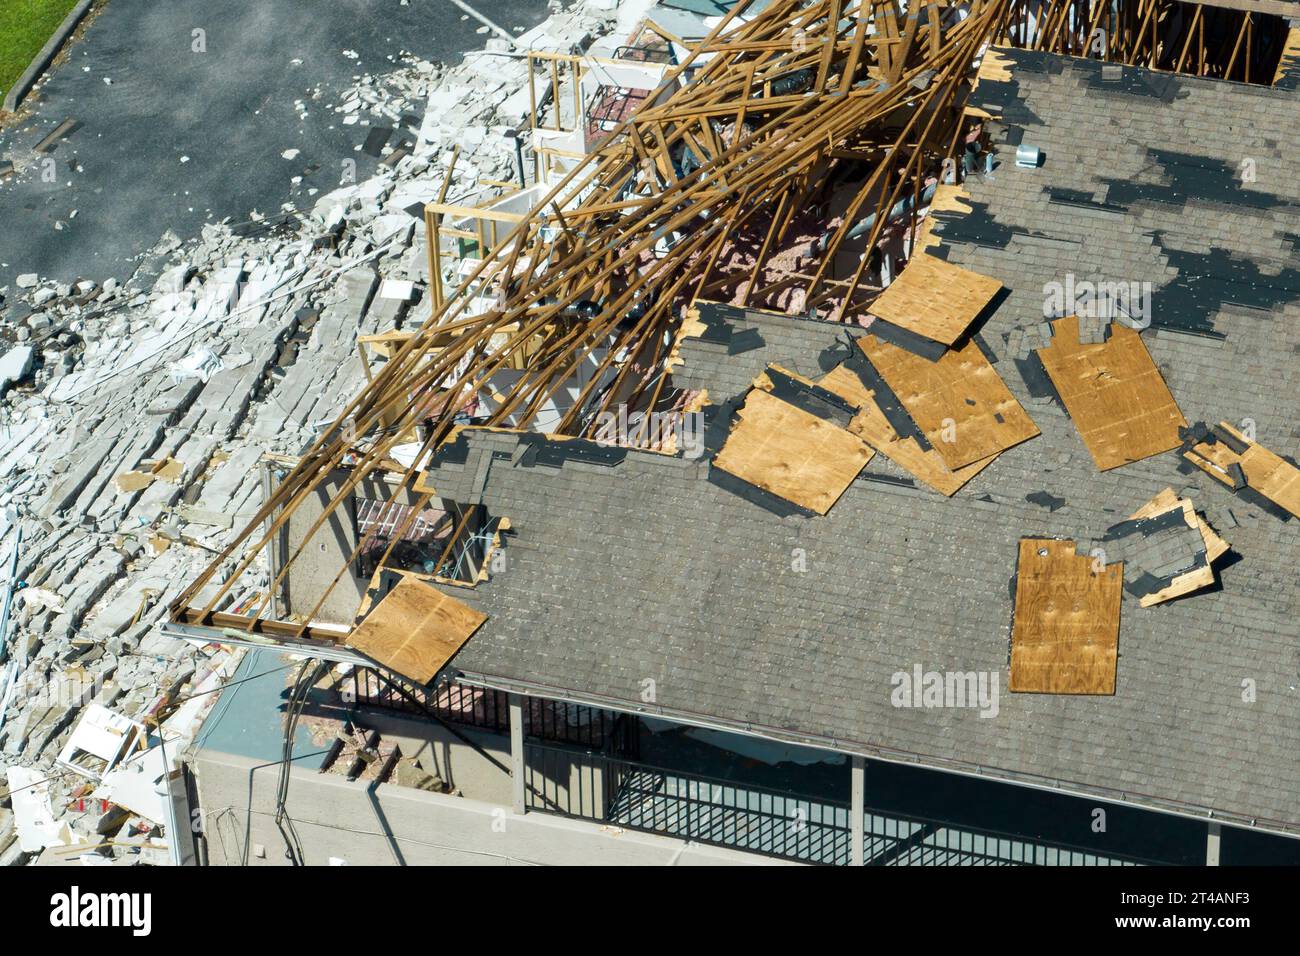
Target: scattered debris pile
137,418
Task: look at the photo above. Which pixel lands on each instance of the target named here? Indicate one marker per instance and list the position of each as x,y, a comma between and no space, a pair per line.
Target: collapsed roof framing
1241,40
759,118
694,195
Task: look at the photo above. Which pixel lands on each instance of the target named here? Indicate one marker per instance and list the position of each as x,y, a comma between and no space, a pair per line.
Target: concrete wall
314,569
391,825
440,752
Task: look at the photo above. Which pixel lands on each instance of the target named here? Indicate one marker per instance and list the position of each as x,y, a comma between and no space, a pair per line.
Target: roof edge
1288,829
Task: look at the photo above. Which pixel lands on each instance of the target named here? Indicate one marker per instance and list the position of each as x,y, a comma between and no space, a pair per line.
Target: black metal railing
638,796
483,708
582,762
627,793
892,840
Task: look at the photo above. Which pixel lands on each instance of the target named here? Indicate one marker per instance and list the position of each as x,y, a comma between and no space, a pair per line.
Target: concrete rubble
133,418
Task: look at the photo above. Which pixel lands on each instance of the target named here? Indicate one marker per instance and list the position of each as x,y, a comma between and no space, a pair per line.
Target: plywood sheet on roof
791,453
1065,637
1114,394
959,403
935,299
415,630
870,424
1167,500
1215,547
1267,473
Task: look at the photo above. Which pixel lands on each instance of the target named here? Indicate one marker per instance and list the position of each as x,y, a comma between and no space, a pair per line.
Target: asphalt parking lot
178,137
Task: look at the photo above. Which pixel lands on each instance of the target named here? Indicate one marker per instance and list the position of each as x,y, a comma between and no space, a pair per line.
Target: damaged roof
639,583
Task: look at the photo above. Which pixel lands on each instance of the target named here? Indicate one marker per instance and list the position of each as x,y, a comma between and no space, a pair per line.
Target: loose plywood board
959,403
1114,394
1267,473
791,453
415,630
871,425
1167,500
935,299
1215,548
1065,637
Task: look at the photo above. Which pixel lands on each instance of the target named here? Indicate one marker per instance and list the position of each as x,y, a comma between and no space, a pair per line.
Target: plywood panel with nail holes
1215,547
415,630
960,403
1065,638
871,425
1114,394
792,454
935,299
1267,473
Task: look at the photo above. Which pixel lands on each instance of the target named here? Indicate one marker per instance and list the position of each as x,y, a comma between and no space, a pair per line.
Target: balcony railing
782,824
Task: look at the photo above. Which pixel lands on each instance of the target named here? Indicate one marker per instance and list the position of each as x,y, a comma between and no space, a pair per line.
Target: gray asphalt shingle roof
645,571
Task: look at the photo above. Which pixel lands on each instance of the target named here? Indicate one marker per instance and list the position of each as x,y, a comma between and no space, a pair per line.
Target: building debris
1248,468
201,465
415,629
104,737
1168,549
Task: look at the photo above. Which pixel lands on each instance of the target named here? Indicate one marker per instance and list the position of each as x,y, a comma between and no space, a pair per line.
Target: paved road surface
230,110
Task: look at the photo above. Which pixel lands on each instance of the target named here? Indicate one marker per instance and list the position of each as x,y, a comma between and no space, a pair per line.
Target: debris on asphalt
135,417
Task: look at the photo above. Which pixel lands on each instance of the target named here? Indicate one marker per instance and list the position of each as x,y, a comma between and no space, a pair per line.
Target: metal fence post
857,812
517,752
1213,836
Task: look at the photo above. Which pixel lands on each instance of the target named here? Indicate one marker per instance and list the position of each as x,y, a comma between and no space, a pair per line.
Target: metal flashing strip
200,634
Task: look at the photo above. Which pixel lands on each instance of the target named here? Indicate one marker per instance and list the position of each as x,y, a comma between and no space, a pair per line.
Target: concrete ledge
388,825
23,85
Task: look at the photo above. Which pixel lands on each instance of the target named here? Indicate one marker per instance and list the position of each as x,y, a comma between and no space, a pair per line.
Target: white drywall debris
178,379
103,735
15,364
